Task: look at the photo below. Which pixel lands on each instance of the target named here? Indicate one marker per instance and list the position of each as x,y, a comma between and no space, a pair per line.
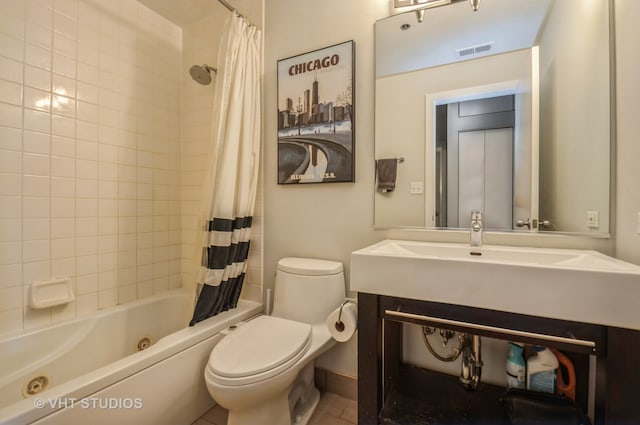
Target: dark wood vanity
390,392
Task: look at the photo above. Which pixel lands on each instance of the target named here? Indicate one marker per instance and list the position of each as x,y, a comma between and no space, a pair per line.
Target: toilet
263,372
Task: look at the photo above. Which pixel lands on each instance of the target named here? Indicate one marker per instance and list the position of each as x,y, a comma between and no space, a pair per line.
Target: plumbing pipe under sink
471,366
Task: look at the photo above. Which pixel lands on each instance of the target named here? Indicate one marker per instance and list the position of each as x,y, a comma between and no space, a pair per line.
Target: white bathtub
97,375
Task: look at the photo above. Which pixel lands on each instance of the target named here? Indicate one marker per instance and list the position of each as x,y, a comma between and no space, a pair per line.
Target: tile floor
332,410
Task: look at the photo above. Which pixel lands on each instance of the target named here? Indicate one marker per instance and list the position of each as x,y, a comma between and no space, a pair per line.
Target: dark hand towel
386,170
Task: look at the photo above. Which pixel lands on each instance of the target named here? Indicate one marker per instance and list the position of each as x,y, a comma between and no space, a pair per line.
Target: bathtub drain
144,343
35,386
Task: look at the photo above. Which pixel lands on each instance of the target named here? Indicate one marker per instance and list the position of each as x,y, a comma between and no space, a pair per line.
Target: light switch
593,219
417,188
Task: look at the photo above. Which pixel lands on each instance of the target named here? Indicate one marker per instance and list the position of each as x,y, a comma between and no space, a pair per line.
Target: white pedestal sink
568,284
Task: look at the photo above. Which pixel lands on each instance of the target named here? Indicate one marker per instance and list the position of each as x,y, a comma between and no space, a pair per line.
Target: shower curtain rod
232,9
227,5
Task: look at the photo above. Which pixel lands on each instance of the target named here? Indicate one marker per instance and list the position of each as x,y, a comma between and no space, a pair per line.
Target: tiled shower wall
90,98
200,45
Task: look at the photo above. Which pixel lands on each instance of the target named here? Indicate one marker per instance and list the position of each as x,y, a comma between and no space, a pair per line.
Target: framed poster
316,116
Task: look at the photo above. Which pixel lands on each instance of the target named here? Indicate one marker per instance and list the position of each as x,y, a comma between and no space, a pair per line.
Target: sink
567,284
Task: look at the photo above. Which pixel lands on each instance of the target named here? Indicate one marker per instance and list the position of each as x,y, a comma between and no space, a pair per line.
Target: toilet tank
307,290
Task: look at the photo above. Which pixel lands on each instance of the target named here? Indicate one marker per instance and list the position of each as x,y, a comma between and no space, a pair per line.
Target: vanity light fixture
419,6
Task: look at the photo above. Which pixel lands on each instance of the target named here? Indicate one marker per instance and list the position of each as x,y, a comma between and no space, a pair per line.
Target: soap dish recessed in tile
50,293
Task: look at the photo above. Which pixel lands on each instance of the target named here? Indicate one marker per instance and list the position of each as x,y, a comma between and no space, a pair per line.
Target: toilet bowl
262,372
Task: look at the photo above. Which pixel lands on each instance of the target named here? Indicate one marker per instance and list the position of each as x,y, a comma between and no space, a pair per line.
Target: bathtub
136,363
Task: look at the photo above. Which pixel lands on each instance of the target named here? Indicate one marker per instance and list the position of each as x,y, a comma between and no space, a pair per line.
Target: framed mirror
505,110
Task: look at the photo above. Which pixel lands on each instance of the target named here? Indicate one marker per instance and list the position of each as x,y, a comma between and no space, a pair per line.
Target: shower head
202,73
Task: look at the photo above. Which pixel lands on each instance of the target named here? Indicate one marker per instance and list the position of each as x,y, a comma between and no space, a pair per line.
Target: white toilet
263,371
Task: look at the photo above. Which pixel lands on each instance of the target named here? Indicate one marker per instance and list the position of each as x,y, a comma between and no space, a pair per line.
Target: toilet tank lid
309,266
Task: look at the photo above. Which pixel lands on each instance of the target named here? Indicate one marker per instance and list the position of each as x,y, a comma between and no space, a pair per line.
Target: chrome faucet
475,237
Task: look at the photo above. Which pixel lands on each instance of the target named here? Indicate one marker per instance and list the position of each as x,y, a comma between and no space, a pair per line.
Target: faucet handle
476,215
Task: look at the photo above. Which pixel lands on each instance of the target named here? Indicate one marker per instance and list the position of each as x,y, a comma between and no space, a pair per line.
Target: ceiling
505,25
183,12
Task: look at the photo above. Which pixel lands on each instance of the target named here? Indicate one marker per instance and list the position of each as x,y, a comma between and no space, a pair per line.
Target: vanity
580,302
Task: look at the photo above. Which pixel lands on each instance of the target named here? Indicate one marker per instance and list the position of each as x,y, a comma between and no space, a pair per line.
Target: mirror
513,99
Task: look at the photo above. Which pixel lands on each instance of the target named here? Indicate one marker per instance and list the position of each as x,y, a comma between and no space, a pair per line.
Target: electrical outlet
593,219
417,188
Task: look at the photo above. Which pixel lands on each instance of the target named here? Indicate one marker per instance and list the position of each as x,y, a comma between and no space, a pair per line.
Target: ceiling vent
475,50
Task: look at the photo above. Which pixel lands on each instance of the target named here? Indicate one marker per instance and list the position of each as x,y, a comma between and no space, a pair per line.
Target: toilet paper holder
339,325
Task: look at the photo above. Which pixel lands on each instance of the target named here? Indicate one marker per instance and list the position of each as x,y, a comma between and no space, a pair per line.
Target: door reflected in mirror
546,69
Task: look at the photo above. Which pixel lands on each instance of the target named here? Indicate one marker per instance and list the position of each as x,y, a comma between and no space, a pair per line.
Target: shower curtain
230,186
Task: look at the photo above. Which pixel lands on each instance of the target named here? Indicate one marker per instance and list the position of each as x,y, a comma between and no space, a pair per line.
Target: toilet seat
258,350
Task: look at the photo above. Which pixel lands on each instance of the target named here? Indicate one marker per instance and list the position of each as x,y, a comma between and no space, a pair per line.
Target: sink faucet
475,237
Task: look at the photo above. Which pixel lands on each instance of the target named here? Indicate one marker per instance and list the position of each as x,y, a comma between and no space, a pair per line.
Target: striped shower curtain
234,159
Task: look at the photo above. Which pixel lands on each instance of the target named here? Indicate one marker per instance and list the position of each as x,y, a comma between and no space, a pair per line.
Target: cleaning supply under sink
516,366
541,371
565,388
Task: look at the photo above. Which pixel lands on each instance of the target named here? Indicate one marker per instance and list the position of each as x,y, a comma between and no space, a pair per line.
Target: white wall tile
107,298
38,56
10,161
10,184
86,169
39,13
36,318
86,264
10,138
62,208
63,126
63,227
39,35
11,275
86,226
63,267
10,207
62,187
38,250
65,25
10,252
63,146
36,164
37,142
64,45
63,166
10,92
10,115
35,228
63,312
89,152
63,248
11,320
87,304
86,284
34,207
39,270
64,65
10,230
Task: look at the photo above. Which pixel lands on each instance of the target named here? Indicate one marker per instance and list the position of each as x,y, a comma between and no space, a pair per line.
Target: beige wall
572,124
321,220
331,220
628,129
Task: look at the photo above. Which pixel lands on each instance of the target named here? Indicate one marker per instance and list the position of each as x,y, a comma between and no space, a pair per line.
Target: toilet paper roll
349,319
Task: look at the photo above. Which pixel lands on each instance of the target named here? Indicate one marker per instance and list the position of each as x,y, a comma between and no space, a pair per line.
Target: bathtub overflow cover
144,343
36,385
